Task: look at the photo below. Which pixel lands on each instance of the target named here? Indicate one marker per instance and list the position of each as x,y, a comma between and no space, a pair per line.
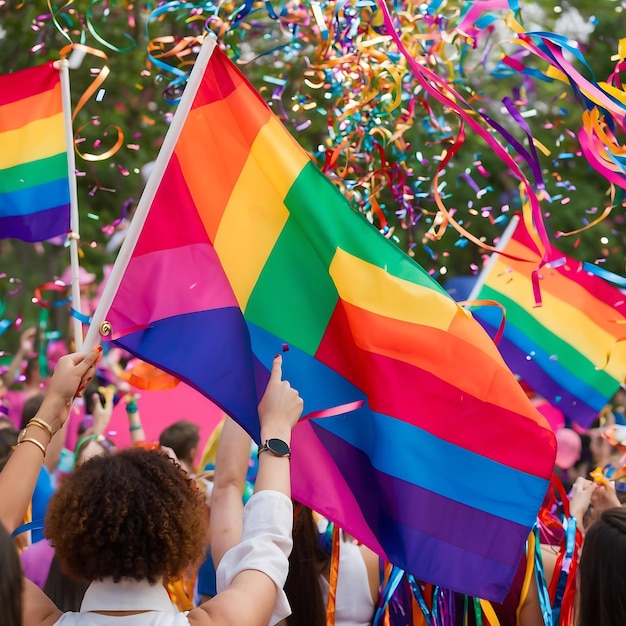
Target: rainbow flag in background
34,180
241,245
560,348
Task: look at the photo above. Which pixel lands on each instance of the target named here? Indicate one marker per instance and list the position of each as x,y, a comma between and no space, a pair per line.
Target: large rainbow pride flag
34,178
570,349
242,248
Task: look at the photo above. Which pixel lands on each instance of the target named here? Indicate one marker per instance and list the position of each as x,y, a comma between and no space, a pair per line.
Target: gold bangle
37,443
35,421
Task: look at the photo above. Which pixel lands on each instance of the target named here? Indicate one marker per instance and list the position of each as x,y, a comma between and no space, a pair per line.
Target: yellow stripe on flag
38,140
561,318
371,288
256,213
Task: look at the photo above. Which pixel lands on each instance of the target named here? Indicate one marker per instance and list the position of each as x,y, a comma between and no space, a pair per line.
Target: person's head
85,279
5,423
134,514
10,581
183,437
30,408
93,389
90,446
32,373
602,573
8,439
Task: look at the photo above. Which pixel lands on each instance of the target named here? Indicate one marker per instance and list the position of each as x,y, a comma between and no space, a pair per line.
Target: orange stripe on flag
18,114
211,187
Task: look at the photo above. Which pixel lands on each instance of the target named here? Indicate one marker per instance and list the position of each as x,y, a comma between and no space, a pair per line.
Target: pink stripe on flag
180,280
315,478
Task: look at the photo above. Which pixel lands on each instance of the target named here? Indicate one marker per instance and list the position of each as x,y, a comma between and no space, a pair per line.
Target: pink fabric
159,409
14,400
36,560
554,416
204,289
569,446
310,484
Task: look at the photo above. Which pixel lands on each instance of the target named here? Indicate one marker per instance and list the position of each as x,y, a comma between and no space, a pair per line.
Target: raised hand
281,405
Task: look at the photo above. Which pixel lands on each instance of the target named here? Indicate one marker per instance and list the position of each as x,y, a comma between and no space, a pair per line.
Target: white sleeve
265,546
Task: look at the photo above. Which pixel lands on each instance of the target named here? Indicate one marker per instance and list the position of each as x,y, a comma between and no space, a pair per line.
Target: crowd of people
91,534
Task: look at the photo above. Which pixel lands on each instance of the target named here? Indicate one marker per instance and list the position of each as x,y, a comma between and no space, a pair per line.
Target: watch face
278,447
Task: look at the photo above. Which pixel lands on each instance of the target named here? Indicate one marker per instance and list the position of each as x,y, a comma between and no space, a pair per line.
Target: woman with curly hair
129,523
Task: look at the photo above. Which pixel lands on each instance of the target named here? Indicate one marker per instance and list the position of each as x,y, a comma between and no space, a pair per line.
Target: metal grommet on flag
105,329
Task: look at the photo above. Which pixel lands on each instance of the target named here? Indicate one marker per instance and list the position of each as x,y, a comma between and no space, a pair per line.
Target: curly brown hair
135,514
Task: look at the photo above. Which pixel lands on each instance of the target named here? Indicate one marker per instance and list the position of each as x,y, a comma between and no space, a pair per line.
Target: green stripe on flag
329,222
294,296
34,173
569,357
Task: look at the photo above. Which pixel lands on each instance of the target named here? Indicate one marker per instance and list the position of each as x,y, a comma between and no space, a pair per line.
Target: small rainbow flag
417,438
34,177
571,349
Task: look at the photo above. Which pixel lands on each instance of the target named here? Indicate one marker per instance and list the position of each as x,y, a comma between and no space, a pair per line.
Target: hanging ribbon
540,579
427,78
479,303
89,21
84,98
333,578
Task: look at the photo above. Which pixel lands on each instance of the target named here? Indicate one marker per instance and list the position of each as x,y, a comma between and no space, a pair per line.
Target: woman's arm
27,345
37,608
137,434
231,465
251,595
19,476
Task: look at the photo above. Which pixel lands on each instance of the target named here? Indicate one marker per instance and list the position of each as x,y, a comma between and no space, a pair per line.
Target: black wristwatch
277,447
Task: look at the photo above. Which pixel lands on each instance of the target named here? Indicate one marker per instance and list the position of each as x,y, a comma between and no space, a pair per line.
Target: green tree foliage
130,102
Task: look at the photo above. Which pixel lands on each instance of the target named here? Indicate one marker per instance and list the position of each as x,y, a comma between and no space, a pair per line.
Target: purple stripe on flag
438,540
317,482
37,226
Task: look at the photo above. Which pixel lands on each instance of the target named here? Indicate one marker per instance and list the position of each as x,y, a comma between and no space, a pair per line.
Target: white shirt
127,595
353,603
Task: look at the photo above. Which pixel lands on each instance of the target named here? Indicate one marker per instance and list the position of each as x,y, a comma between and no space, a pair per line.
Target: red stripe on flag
472,423
27,83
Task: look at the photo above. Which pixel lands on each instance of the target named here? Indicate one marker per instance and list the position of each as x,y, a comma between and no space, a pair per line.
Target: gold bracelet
35,421
37,443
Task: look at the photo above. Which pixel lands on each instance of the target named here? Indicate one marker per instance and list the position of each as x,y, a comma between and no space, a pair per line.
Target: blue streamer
570,544
34,525
542,586
395,577
620,281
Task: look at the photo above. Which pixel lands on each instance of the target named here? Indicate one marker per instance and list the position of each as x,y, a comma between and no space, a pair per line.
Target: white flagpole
503,241
74,235
136,225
